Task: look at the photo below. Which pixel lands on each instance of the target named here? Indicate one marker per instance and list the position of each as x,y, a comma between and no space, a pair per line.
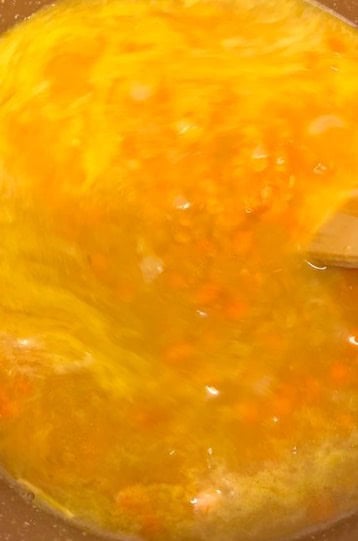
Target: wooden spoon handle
346,10
336,242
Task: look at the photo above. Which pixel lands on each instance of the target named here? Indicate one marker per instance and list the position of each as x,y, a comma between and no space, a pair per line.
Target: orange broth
171,365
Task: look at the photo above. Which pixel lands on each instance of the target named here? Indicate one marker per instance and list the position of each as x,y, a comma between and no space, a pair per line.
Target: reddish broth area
172,366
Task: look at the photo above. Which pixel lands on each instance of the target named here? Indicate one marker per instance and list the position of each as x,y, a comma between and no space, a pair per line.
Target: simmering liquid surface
171,365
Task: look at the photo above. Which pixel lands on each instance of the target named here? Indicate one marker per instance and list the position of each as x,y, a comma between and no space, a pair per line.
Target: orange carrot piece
283,405
248,412
207,294
136,502
236,309
339,373
179,352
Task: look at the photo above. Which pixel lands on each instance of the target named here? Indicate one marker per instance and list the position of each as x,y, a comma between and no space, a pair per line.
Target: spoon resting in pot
345,10
336,242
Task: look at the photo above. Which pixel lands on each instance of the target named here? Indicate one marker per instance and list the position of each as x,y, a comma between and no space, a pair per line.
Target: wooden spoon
346,10
336,242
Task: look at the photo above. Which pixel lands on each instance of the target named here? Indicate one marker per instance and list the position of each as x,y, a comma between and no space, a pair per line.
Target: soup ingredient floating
173,367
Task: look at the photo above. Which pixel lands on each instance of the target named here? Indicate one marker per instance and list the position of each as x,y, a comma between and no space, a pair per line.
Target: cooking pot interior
20,519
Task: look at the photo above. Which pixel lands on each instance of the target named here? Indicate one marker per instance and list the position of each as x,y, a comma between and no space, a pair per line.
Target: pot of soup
173,365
